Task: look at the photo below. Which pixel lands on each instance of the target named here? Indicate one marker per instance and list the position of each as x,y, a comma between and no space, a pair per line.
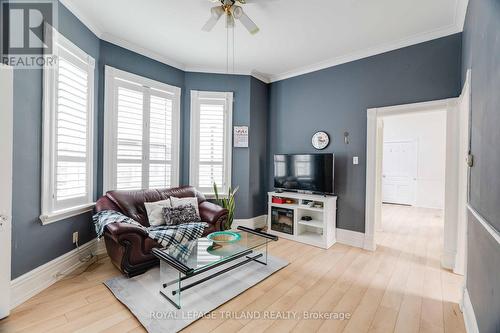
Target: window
67,177
141,148
210,154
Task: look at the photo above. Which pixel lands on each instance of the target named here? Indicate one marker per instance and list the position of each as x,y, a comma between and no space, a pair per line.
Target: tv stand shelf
285,219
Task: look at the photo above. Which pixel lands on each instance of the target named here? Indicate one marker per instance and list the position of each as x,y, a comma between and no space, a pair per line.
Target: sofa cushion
177,202
155,211
180,215
131,203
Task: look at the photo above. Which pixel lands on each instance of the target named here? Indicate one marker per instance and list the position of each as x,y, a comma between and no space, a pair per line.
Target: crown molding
211,70
261,76
90,24
415,39
456,27
142,51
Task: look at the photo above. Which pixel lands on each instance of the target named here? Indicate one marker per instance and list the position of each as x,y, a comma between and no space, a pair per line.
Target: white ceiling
295,36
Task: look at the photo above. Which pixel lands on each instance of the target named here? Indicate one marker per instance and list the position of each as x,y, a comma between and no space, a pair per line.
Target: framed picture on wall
240,139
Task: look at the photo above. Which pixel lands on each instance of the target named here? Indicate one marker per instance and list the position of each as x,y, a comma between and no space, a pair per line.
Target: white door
6,92
399,172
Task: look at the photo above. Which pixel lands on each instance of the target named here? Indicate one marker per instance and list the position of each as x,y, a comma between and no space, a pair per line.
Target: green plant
226,201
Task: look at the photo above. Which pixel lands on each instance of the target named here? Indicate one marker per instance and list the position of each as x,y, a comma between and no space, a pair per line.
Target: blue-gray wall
240,86
481,53
336,99
281,118
258,146
32,243
126,60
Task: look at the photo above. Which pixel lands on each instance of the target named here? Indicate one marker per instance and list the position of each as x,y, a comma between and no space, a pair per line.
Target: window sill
65,213
211,196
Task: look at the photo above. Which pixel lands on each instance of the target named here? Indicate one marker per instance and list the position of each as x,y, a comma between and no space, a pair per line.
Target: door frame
465,99
414,175
374,141
6,140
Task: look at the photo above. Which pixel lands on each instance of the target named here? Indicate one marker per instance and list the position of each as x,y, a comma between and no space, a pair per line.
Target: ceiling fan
232,12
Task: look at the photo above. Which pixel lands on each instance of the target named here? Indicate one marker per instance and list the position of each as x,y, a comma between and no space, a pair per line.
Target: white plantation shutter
211,122
68,123
129,137
142,132
160,142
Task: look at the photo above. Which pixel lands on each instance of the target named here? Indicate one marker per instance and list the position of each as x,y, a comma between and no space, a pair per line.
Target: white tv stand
319,231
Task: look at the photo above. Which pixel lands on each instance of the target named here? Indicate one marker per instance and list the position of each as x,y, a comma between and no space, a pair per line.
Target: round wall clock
320,140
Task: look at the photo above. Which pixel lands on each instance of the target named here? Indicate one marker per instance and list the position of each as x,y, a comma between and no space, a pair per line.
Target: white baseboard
469,315
42,277
253,223
351,238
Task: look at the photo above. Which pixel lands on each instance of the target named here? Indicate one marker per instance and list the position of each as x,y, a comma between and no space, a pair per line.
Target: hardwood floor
398,288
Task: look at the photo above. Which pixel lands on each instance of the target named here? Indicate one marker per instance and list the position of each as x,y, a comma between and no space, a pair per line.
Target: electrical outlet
355,160
75,237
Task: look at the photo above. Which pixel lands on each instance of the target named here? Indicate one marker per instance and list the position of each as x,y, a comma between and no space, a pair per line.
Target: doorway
413,181
451,112
6,126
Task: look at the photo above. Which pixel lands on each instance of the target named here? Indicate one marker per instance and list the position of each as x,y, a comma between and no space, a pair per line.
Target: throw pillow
180,215
155,211
176,202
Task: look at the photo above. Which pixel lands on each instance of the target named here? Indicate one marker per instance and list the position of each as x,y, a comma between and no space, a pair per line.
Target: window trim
194,137
49,211
110,128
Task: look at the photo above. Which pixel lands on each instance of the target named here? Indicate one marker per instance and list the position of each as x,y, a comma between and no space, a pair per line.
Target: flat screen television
304,172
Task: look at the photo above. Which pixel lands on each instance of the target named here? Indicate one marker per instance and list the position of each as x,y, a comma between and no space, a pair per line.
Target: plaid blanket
176,238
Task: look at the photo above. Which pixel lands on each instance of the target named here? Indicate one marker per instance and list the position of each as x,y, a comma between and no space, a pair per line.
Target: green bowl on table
224,237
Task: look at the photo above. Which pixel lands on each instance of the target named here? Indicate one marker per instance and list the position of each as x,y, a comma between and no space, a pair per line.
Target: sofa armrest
211,213
117,229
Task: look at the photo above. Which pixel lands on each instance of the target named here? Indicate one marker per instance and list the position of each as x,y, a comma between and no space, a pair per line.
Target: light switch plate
355,160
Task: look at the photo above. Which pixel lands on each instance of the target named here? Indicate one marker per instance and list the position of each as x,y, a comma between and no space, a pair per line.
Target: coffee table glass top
203,252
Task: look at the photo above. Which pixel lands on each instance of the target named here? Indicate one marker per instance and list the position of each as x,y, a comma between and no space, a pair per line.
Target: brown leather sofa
127,245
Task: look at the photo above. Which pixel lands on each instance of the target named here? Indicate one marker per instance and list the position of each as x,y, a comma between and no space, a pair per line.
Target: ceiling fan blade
216,13
240,15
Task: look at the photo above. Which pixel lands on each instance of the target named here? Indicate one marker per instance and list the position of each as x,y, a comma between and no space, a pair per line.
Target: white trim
373,186
110,38
90,24
50,207
42,277
107,37
351,238
194,136
253,222
65,213
468,313
6,138
492,231
150,87
463,173
456,27
391,46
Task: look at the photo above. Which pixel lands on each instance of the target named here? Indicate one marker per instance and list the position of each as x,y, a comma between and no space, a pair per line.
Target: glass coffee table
206,260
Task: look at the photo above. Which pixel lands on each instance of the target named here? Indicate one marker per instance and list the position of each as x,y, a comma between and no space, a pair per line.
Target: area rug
141,294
